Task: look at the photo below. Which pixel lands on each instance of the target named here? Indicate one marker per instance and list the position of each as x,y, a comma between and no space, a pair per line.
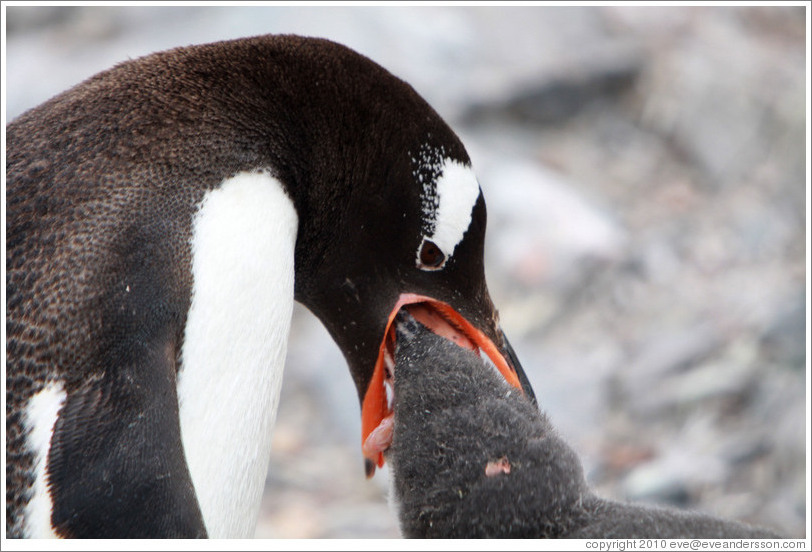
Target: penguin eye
430,257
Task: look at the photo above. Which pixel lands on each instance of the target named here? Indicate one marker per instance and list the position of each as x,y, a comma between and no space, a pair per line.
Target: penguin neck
235,341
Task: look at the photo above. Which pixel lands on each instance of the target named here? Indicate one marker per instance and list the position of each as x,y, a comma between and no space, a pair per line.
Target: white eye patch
450,191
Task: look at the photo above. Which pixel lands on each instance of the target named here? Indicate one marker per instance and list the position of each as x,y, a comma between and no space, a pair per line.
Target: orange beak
441,318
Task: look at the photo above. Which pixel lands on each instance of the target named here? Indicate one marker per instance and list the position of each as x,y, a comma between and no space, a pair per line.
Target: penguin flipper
116,464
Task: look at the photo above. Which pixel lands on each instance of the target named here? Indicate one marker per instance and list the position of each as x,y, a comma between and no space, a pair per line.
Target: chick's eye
430,255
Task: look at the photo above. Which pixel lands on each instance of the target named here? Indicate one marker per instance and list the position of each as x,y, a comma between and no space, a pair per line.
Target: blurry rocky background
644,170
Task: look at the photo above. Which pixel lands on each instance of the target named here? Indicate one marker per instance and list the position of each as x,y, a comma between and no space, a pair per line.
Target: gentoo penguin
163,216
473,457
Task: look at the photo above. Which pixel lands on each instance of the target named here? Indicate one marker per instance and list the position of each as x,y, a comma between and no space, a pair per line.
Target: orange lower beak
442,319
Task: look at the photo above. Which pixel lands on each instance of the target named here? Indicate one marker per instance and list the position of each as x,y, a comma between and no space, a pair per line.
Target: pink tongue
380,438
432,320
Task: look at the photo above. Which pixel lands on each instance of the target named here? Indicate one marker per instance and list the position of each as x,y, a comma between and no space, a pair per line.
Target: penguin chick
473,457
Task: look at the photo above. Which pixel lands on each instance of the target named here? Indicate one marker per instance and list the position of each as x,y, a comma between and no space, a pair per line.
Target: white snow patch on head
457,191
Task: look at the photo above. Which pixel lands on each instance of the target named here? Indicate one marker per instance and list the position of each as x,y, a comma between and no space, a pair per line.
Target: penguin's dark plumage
473,457
161,218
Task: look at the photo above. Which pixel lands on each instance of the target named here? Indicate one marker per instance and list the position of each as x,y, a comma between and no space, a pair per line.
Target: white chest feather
234,346
40,416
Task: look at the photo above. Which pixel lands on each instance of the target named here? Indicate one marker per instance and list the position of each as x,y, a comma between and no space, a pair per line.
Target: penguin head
408,232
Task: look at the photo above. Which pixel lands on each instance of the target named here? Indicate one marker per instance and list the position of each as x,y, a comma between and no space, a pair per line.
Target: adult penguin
162,218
